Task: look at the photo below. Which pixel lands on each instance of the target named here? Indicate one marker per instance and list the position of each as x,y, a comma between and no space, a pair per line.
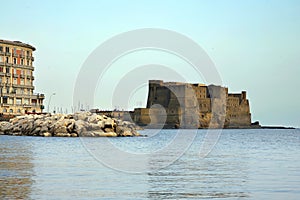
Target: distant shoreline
160,126
276,127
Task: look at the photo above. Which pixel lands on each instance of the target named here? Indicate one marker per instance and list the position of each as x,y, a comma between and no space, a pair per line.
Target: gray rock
47,134
83,124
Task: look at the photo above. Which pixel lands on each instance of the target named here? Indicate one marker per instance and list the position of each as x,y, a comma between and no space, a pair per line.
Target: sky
254,46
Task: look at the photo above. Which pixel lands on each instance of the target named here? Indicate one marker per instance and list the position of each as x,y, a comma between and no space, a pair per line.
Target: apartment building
17,95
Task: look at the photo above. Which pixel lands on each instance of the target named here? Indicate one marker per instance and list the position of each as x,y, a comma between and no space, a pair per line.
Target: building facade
185,105
17,95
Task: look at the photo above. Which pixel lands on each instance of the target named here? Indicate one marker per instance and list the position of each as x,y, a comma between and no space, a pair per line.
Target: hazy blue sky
255,45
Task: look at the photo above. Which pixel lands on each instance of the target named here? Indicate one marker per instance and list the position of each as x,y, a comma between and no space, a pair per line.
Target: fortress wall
191,104
204,105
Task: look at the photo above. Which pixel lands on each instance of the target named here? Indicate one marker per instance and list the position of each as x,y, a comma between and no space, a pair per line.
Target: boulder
83,124
47,134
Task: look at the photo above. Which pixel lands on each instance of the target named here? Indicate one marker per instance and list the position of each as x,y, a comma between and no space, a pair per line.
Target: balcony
15,75
38,96
30,58
15,55
7,53
2,74
30,87
22,76
22,56
18,86
2,63
23,86
27,105
31,96
26,67
5,84
2,53
6,104
8,74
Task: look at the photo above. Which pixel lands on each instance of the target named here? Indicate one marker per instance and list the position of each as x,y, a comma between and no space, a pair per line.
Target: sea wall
83,124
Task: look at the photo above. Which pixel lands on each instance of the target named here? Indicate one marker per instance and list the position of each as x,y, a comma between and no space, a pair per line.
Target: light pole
50,101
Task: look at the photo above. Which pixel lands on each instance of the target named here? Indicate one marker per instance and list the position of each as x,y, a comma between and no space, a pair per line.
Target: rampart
186,105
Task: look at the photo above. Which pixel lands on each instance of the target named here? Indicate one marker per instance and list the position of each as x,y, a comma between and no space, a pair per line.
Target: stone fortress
186,105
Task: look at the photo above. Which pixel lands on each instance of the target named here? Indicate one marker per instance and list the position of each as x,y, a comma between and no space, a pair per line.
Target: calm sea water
244,164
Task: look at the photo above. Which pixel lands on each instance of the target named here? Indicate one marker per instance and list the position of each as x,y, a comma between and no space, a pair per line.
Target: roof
17,43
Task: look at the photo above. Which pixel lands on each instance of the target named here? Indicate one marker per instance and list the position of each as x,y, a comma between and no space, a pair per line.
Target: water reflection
220,175
16,169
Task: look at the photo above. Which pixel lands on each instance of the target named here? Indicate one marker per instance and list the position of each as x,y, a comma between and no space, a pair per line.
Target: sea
167,164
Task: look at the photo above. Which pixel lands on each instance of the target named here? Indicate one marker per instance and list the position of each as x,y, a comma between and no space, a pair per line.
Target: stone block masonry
187,105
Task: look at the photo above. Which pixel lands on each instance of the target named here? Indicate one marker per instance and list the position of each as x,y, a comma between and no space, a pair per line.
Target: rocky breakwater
83,124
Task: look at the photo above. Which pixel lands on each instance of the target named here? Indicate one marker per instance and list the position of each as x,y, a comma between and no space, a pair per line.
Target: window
4,110
6,59
19,111
1,59
27,52
11,110
6,49
7,70
22,62
15,61
18,101
1,48
26,101
1,69
11,101
28,62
